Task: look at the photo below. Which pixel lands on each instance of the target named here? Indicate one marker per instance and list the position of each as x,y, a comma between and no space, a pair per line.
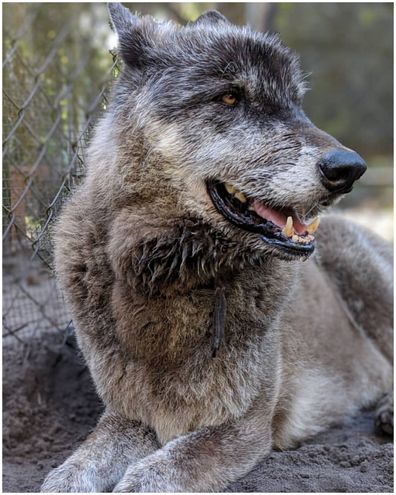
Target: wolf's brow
230,69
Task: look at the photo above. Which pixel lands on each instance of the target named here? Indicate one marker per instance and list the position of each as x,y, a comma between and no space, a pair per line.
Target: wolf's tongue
267,213
277,217
298,226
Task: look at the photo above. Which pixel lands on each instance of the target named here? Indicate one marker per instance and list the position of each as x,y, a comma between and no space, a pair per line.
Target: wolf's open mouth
278,227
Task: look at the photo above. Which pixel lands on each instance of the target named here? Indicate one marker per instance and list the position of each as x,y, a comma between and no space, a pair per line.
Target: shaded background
57,70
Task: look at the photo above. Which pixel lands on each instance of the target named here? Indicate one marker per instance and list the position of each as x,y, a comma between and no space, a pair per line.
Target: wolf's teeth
288,229
242,198
313,227
229,188
295,238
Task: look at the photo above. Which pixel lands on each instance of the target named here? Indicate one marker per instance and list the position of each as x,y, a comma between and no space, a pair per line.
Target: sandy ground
50,406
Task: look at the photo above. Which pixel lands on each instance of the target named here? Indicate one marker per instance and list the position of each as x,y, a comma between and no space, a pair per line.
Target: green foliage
348,47
54,70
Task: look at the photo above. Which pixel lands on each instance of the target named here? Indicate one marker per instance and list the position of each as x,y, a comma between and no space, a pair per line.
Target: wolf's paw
68,478
384,414
151,474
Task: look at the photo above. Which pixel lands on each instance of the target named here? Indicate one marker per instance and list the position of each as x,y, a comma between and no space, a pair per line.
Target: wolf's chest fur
172,382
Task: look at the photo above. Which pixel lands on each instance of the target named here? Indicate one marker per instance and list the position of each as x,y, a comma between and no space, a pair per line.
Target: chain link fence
56,77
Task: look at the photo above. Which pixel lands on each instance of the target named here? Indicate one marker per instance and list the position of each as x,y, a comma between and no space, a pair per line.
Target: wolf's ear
210,17
133,34
120,17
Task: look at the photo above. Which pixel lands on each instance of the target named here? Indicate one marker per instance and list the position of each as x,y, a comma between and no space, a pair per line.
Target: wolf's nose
340,168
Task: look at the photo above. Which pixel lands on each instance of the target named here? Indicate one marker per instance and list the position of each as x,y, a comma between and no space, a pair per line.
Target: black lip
242,218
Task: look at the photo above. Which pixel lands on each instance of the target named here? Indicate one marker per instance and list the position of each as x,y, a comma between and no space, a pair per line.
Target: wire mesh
55,84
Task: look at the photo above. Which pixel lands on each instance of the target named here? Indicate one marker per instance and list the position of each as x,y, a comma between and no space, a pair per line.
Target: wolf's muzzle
339,169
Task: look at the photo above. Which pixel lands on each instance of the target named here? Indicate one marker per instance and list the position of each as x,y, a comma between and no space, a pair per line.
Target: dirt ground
50,406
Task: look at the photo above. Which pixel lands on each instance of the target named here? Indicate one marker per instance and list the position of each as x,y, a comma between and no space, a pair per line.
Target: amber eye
229,99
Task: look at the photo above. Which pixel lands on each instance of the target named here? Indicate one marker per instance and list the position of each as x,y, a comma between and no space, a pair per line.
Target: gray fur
140,251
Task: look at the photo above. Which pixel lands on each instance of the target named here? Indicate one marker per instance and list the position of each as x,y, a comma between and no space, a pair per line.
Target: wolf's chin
281,229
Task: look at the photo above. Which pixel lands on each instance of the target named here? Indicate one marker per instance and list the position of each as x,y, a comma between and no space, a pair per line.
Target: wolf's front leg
202,461
100,462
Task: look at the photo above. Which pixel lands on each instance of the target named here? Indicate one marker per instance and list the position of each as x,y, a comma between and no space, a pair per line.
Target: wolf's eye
229,99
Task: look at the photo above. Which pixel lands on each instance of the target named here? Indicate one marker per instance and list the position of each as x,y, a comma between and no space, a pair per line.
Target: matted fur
140,251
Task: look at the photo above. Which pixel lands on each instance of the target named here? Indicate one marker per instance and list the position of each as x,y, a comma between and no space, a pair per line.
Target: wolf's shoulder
340,234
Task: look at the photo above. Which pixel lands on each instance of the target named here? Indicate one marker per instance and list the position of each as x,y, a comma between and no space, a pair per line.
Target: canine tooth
313,227
229,188
242,198
288,229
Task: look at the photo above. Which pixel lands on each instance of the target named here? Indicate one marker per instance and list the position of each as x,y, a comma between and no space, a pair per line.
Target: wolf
217,318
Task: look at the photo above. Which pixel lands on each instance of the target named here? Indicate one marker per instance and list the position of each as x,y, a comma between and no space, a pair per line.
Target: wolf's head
210,127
